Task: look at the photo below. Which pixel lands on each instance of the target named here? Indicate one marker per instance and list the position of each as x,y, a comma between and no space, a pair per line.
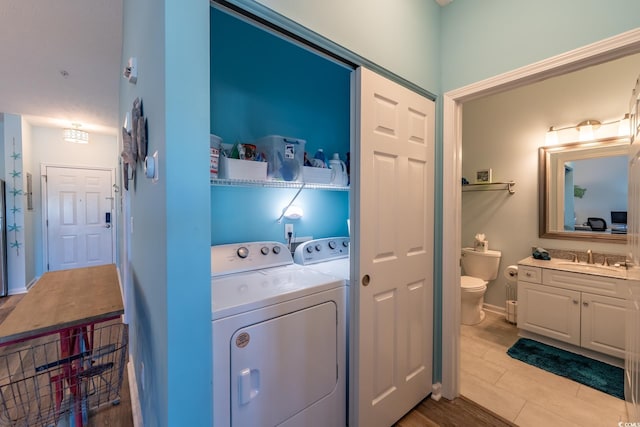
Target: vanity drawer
529,274
600,285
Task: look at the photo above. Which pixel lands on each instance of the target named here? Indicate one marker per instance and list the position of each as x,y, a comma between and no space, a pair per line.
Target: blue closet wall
263,85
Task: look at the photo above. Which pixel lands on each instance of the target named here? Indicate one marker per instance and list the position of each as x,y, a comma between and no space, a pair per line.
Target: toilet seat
470,283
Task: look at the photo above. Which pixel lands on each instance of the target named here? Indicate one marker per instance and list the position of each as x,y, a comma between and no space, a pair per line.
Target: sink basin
591,268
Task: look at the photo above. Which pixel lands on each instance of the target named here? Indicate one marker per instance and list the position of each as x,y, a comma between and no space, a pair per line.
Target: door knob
365,280
107,226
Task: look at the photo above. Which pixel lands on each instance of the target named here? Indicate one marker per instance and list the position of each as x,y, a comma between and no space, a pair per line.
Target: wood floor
106,415
450,413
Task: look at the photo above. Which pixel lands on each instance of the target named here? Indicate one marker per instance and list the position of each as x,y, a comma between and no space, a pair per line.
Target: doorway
78,217
613,48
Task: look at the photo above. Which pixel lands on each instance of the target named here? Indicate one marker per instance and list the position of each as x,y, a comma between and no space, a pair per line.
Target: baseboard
494,309
18,291
136,413
436,391
32,282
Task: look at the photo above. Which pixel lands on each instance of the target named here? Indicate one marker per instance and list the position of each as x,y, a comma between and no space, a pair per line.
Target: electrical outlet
288,228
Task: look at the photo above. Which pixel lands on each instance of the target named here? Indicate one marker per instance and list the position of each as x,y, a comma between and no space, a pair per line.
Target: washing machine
329,255
279,339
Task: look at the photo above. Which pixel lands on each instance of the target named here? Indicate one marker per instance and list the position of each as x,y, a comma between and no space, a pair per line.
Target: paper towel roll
511,273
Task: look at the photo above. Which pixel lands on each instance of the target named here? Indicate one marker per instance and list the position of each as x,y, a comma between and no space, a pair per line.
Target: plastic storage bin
242,169
285,157
318,175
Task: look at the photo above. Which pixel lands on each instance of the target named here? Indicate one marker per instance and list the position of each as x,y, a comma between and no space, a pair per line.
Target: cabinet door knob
586,304
575,301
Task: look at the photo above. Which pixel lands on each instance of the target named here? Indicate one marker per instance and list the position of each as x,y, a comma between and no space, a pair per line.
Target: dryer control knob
345,243
318,247
309,249
264,250
276,250
243,252
332,244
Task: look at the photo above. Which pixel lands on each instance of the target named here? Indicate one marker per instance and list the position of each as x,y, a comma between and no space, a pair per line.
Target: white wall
504,132
48,147
30,219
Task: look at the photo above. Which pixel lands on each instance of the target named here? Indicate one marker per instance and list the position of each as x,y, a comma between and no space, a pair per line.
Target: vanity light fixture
76,135
623,126
587,130
552,137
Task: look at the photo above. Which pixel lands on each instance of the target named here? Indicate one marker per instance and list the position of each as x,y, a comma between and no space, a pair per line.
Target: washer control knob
243,252
264,250
318,247
309,249
332,244
276,250
345,243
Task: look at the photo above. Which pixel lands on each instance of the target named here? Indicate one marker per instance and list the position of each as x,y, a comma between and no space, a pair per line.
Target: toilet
479,268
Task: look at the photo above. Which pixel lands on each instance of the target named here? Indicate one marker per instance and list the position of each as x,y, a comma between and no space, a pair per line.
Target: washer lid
472,283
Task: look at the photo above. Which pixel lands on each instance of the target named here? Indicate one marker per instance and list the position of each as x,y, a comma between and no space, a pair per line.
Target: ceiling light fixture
76,135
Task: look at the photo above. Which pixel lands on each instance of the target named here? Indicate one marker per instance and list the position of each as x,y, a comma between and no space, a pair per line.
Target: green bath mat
592,373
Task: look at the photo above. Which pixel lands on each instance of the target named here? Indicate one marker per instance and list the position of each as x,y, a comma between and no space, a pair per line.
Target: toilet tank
483,265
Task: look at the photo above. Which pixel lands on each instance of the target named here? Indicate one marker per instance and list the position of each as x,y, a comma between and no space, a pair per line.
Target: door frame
45,200
605,50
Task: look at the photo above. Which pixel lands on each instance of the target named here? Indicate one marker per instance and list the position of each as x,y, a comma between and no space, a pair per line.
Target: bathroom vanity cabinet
585,310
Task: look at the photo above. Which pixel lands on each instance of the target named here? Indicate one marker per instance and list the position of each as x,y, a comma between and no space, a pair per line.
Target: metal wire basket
55,377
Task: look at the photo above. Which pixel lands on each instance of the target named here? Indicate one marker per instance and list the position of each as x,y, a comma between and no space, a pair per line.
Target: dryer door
282,366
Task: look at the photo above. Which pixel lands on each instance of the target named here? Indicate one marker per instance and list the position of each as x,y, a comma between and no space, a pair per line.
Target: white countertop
576,267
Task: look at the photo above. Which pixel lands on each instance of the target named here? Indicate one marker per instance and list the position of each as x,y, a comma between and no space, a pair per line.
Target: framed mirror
583,190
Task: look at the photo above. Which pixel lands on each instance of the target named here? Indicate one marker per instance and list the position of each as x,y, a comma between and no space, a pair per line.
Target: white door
79,217
391,359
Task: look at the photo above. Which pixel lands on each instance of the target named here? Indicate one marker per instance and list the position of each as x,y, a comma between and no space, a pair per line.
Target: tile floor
521,393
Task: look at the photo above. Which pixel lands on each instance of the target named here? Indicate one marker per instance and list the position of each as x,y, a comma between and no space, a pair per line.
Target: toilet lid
472,283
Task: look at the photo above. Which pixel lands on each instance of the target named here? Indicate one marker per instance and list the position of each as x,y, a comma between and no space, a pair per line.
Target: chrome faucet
589,257
574,257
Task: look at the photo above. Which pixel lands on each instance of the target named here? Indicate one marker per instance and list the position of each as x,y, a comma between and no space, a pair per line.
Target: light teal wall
172,230
15,202
481,39
171,297
401,36
188,216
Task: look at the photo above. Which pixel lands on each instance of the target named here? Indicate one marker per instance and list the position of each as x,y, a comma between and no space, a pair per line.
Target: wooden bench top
63,299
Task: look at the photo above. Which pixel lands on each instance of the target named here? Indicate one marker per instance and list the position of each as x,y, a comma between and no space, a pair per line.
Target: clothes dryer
279,339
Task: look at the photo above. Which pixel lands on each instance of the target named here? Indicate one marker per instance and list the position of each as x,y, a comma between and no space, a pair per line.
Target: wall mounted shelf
274,184
493,186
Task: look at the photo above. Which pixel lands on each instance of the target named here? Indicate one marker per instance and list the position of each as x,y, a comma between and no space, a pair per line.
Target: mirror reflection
584,190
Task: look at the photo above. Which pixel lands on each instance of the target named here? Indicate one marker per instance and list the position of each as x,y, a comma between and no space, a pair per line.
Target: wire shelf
275,184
